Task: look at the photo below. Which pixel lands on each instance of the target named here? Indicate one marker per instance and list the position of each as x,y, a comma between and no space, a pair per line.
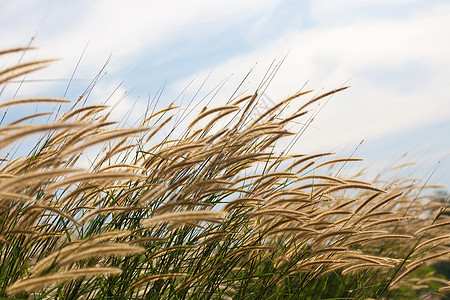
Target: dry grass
217,207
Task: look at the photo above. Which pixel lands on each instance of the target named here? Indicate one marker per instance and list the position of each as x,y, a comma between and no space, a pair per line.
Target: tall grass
218,212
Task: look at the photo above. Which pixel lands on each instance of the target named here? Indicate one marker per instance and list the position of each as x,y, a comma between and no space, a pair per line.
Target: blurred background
393,54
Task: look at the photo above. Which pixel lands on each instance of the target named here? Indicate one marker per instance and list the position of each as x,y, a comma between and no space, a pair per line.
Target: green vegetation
218,212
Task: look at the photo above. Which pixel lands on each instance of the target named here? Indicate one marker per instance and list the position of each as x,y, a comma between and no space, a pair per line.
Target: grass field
218,210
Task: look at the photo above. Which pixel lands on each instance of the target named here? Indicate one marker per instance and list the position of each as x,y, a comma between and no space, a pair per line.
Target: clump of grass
215,213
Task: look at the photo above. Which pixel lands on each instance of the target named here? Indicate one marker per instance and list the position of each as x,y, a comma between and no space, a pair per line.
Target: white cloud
394,52
331,13
373,107
124,29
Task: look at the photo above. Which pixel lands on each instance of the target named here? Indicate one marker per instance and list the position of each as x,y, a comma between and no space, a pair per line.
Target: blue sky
394,54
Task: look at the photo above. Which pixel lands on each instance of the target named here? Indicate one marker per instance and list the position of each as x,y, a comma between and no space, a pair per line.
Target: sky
393,54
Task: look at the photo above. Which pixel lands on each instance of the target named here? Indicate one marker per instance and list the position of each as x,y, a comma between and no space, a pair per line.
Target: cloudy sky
393,54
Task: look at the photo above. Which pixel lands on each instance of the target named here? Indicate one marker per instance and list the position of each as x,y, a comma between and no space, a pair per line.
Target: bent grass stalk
217,212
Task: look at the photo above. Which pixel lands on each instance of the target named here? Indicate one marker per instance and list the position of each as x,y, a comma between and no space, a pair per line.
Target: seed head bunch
222,211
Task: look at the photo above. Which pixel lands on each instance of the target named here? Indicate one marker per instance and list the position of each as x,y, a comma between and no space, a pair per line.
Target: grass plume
218,212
